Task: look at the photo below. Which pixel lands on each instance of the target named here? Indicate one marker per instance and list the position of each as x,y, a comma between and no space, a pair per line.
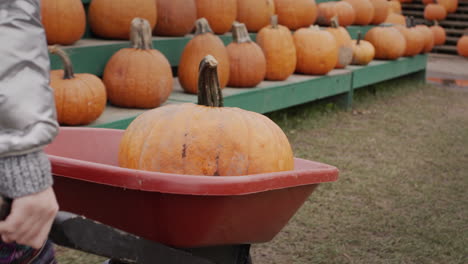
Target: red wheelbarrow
214,218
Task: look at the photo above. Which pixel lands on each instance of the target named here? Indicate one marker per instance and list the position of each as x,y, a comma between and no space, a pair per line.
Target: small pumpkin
381,8
206,139
247,62
203,43
439,34
462,45
175,17
435,12
112,19
255,14
278,46
363,51
395,19
388,42
343,39
79,98
64,21
428,38
140,76
317,51
295,14
414,39
394,7
220,14
364,11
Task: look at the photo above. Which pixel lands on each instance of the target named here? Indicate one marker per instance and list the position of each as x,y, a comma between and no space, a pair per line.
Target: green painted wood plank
378,71
353,30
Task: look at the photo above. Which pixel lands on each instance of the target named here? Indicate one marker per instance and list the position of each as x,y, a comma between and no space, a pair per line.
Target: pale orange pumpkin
219,13
203,43
395,19
317,51
205,139
112,19
394,7
255,14
381,8
343,39
435,12
363,51
450,5
64,21
278,46
247,62
175,17
140,76
345,12
462,45
295,14
79,98
364,11
439,34
428,38
414,40
388,42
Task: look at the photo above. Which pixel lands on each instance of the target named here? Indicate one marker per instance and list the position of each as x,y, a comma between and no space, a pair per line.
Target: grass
402,194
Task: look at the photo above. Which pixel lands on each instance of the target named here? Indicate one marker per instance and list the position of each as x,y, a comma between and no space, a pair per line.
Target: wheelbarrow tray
185,211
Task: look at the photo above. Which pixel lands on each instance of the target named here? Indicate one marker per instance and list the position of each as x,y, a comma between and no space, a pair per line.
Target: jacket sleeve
27,110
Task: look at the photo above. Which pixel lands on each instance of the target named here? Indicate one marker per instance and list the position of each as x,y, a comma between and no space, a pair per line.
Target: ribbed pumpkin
64,21
278,46
388,42
79,98
317,51
395,19
381,8
140,76
327,10
428,38
363,51
255,14
247,62
112,19
439,34
295,14
343,39
204,43
219,13
175,17
414,40
435,12
462,45
364,11
205,139
394,7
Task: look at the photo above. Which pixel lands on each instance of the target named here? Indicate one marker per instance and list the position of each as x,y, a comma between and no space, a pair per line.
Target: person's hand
30,219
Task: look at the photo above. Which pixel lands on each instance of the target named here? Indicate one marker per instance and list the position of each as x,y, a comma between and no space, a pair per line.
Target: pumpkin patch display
317,51
364,11
247,62
140,76
64,21
295,14
112,19
277,44
381,8
439,34
220,13
388,42
255,14
175,17
203,43
435,12
462,45
343,39
363,51
206,139
79,98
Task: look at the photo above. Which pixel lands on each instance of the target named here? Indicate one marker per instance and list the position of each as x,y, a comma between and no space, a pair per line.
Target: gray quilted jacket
27,110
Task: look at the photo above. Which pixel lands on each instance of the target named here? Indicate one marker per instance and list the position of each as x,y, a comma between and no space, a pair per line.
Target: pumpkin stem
239,33
408,22
209,90
359,37
436,23
274,21
140,34
202,26
334,22
67,64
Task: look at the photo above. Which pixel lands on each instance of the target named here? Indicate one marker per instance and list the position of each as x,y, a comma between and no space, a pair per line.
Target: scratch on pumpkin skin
184,150
216,173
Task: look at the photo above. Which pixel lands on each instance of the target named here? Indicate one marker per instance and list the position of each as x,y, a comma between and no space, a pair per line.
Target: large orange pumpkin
219,13
345,12
435,12
388,42
327,10
64,21
112,19
175,17
395,19
140,76
317,51
204,43
428,38
205,139
247,62
414,40
79,98
462,46
381,8
278,46
295,14
439,34
255,14
364,11
343,39
363,51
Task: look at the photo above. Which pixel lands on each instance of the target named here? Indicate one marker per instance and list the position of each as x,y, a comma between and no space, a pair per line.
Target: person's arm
27,124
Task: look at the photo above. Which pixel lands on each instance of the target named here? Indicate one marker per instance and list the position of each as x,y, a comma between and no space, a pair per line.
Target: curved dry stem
209,90
67,64
141,34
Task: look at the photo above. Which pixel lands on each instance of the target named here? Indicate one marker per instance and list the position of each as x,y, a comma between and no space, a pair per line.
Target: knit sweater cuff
24,174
